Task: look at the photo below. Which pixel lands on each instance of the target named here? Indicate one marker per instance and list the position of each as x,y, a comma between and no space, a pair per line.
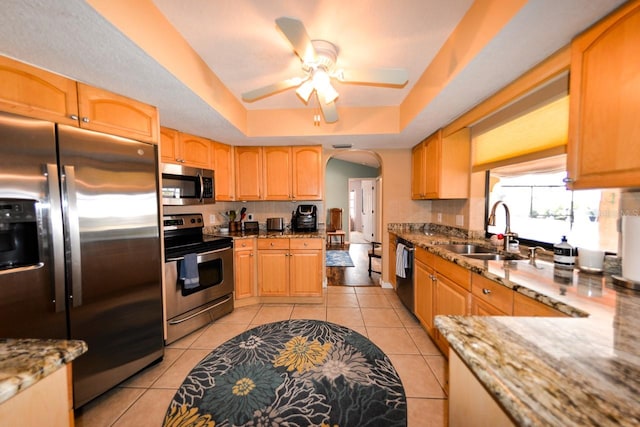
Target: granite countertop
577,371
263,234
24,362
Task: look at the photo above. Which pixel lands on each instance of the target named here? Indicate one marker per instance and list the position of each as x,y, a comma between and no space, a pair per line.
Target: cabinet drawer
493,293
424,256
460,275
525,306
273,243
306,243
243,244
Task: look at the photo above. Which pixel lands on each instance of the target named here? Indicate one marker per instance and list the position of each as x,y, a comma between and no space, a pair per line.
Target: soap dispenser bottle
564,255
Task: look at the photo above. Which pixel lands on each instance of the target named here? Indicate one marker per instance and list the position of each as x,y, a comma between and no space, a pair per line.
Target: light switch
439,216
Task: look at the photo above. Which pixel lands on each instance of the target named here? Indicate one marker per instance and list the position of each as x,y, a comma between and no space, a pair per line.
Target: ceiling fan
318,59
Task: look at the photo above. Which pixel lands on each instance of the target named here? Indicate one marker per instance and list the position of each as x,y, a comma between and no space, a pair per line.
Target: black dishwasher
404,272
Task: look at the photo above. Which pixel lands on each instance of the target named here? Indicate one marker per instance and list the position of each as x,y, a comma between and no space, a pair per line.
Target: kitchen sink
467,249
493,256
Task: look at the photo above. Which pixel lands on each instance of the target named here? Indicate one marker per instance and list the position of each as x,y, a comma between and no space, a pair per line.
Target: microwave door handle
73,225
201,187
56,236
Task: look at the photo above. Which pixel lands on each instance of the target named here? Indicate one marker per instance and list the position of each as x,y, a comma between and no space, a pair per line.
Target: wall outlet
460,220
250,217
439,217
212,218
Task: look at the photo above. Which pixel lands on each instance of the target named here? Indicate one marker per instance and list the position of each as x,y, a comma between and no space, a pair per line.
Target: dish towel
189,271
402,261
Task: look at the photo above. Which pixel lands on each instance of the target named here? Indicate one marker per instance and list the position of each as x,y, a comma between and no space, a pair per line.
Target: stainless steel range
198,295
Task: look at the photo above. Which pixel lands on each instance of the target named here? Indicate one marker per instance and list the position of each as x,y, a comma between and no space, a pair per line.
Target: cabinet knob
250,253
486,291
306,244
73,117
567,180
271,244
85,119
244,244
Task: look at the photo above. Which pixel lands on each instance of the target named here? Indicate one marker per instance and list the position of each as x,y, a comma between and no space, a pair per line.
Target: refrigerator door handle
73,224
57,241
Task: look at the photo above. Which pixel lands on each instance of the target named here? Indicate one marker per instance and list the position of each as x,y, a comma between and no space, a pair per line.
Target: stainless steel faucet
508,235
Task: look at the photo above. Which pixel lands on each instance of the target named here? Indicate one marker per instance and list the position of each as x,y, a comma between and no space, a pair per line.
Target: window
542,210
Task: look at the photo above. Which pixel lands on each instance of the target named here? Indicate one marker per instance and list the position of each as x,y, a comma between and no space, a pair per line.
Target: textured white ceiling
241,44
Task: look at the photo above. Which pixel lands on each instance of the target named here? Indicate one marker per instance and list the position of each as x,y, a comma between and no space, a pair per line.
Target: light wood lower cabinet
244,268
393,242
424,284
490,298
290,267
470,404
525,306
48,402
450,299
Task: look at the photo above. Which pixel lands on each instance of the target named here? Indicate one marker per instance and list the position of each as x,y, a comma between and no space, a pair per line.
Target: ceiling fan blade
297,35
374,76
256,94
329,112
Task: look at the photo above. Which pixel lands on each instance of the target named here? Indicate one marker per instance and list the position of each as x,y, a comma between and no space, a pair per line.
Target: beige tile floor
372,311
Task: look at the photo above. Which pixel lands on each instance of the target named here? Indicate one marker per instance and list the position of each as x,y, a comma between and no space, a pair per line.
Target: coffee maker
304,218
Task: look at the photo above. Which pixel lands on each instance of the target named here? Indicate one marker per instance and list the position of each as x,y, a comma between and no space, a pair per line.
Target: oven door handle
202,257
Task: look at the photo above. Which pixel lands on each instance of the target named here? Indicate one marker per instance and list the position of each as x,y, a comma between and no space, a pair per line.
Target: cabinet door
169,145
393,242
450,299
306,273
308,173
306,264
432,168
248,173
424,293
244,271
603,149
114,114
273,272
222,160
32,92
417,172
276,173
481,308
195,151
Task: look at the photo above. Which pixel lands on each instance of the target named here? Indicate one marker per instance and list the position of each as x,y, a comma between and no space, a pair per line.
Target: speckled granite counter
262,234
24,362
581,371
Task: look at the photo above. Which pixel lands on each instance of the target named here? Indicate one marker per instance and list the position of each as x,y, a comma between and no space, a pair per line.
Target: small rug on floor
339,259
293,373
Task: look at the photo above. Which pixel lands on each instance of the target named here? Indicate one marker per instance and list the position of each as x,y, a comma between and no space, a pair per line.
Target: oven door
215,270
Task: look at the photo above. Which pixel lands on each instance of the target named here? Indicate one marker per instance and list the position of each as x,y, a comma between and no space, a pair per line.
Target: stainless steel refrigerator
80,247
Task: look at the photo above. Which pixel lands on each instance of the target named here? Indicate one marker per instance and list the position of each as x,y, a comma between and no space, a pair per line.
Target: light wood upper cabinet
441,166
195,151
222,160
307,173
292,173
276,173
33,92
184,149
248,161
115,114
169,145
603,148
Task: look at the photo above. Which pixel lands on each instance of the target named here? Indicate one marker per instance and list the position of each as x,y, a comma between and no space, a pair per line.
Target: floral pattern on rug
339,259
292,373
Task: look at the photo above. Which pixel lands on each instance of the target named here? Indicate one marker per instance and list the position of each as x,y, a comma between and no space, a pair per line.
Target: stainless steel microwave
183,185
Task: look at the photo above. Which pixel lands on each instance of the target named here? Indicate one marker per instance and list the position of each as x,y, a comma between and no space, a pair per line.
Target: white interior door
368,204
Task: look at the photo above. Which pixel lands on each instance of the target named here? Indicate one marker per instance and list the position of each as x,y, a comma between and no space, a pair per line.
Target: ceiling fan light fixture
305,90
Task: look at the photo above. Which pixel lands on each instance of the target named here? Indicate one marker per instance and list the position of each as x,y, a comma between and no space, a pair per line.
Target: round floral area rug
292,373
